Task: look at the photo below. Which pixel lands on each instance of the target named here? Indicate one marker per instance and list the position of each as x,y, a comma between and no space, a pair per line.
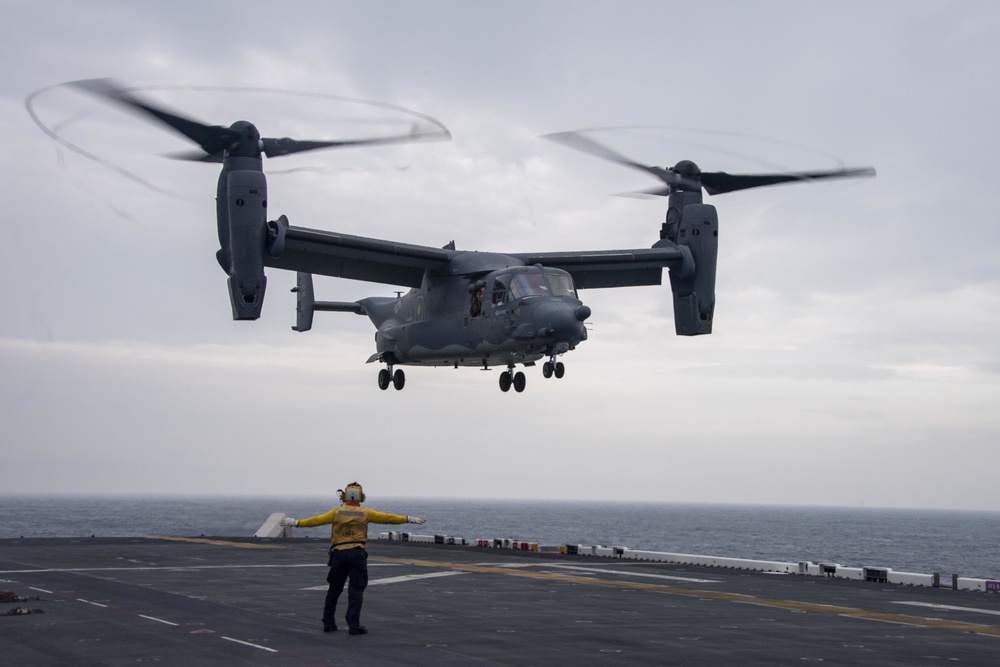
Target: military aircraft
463,308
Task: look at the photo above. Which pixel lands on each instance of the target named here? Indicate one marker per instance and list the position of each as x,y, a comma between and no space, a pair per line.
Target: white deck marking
648,575
41,590
158,620
394,580
96,604
240,641
411,577
949,607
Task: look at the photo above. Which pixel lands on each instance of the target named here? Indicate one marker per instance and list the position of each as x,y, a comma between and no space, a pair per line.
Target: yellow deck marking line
791,605
222,543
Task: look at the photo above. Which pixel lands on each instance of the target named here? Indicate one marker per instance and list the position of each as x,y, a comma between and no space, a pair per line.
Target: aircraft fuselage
513,314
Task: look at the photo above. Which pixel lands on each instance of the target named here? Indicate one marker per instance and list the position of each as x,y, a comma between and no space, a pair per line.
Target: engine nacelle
694,295
248,235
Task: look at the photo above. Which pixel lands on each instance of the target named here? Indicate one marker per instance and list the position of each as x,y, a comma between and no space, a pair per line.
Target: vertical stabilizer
305,301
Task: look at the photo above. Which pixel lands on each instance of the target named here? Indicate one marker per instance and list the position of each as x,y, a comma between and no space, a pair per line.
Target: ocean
906,540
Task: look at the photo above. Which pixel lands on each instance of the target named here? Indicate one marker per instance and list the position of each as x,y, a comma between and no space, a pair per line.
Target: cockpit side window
499,296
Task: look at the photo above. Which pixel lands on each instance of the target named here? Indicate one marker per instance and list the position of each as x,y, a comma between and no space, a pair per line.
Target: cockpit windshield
541,284
528,284
561,284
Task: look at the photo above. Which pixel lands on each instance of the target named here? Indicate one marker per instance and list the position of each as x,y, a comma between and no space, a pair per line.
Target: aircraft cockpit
533,282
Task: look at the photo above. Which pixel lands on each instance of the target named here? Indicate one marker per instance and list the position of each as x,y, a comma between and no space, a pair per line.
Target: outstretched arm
385,517
320,520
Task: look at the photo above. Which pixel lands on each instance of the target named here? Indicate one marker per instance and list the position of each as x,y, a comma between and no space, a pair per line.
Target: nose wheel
550,368
509,378
386,376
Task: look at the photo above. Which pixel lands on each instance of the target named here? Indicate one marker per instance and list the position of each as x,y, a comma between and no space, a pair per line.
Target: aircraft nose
566,323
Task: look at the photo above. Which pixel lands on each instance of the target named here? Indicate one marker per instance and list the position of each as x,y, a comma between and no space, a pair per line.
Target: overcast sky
855,358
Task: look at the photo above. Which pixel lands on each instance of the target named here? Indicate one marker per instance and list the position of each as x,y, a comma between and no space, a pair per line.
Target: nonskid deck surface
204,601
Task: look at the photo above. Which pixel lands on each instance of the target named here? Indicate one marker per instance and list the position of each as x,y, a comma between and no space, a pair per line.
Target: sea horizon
904,539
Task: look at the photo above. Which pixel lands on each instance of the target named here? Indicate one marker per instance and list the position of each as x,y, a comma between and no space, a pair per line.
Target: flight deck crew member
476,301
348,554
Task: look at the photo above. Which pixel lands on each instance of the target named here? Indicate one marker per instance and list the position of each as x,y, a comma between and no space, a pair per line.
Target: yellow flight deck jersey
349,524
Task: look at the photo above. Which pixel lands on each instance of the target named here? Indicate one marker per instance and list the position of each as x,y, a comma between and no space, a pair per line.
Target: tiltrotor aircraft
463,308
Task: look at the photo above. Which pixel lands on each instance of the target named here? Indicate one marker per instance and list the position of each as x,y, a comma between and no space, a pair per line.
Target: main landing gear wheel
385,377
557,368
509,378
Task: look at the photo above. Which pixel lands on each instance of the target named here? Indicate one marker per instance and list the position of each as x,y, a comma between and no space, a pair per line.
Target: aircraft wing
356,257
612,268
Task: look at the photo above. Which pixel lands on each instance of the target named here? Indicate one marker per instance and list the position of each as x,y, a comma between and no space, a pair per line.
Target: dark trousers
346,564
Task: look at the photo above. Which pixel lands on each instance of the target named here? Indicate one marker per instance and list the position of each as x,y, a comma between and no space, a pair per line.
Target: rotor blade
214,139
713,182
652,192
579,142
672,179
195,156
286,146
720,182
211,138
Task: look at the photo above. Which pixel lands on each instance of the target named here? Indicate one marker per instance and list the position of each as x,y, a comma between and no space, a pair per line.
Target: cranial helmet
352,493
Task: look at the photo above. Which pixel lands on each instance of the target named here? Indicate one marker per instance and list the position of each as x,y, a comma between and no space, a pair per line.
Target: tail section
306,303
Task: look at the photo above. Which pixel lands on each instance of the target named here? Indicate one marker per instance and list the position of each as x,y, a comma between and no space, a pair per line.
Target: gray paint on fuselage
433,325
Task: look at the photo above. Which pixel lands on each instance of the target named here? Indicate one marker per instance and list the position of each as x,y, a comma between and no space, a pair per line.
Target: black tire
398,379
505,382
547,369
519,382
560,369
383,379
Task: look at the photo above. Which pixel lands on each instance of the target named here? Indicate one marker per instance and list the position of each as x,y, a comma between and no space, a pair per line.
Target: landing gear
387,376
509,378
553,367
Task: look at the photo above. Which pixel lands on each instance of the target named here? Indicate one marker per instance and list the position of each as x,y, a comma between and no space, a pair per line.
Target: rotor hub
687,168
246,141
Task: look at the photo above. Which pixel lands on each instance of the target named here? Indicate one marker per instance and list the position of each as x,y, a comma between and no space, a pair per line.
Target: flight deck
201,601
